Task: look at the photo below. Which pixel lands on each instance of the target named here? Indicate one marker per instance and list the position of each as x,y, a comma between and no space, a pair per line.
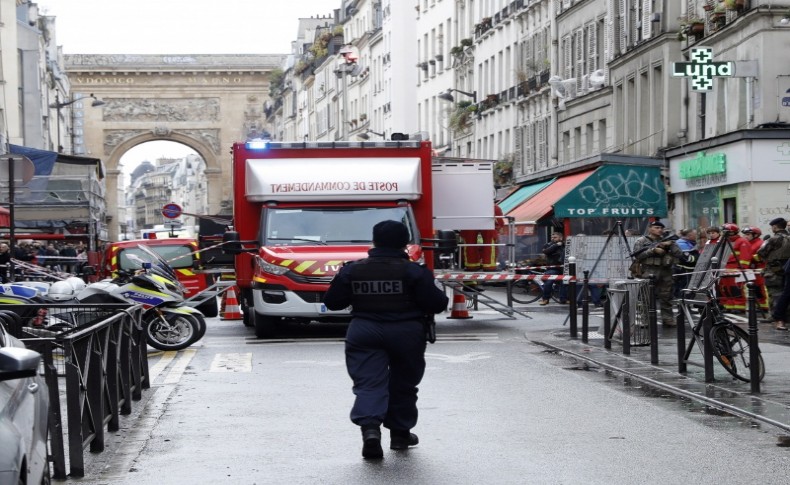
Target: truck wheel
209,308
246,315
265,325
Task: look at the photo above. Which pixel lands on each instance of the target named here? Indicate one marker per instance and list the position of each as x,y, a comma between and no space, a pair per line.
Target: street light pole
58,105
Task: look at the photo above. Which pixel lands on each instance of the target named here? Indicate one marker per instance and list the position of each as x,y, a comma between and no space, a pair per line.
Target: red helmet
730,229
752,230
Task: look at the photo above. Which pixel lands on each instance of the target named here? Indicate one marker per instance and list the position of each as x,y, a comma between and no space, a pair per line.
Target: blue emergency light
257,144
149,235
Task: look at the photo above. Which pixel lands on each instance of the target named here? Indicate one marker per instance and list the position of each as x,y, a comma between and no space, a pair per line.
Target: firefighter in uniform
775,252
657,261
390,298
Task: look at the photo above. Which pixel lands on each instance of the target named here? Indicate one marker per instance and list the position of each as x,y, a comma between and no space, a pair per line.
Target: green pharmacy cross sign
701,69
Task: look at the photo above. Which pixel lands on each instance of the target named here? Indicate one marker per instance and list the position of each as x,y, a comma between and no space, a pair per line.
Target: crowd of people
763,259
58,256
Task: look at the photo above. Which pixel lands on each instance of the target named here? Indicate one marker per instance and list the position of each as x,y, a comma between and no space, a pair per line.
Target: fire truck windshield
335,226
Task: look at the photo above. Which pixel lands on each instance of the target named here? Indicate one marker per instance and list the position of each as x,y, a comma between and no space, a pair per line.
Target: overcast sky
178,27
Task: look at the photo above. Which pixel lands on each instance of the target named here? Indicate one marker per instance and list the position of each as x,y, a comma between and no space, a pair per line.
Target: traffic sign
171,210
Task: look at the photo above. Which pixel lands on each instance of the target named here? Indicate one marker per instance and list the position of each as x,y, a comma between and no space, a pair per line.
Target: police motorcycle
169,324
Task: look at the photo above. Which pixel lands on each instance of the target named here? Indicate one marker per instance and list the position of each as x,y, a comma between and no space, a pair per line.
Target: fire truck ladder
477,297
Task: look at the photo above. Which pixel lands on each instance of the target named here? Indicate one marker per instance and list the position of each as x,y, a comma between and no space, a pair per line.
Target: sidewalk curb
677,391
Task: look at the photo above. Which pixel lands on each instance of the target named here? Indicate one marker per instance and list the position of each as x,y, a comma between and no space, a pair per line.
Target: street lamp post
58,105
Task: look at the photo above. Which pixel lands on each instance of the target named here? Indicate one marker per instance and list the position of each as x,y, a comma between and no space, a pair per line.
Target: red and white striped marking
443,276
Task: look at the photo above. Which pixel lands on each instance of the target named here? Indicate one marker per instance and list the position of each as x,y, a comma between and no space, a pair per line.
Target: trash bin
637,314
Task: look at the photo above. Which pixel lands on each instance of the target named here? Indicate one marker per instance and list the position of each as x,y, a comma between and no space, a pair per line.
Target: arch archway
206,102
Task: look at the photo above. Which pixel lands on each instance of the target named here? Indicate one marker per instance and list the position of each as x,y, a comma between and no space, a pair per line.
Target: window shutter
529,147
541,142
519,135
622,34
579,58
567,58
647,25
610,32
592,46
529,57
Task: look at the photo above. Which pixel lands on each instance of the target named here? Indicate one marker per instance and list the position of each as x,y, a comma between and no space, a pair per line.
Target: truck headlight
270,268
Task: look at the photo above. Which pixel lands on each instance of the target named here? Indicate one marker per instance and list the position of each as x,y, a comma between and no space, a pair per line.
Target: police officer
657,259
775,253
385,344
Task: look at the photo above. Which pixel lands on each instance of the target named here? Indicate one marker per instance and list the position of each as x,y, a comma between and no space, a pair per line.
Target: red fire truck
302,209
311,207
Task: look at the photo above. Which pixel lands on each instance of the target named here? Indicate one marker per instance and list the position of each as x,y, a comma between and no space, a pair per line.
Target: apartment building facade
579,99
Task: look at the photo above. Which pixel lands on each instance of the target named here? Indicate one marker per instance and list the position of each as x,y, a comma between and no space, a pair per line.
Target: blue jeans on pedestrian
548,286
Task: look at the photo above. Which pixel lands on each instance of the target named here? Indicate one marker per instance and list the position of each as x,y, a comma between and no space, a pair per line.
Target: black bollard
572,297
626,322
652,320
607,322
707,347
754,347
585,306
681,342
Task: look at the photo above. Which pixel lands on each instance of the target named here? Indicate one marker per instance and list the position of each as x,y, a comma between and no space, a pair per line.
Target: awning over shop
5,217
523,193
539,206
616,191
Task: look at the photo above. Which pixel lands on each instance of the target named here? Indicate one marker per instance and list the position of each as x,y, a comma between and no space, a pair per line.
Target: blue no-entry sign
171,210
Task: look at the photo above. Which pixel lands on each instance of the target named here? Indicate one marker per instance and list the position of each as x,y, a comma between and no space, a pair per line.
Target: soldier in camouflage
775,253
657,259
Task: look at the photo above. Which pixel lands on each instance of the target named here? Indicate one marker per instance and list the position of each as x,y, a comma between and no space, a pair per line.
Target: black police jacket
396,289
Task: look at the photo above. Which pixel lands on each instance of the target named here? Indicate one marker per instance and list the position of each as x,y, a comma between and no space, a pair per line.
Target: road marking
458,359
231,362
163,362
180,366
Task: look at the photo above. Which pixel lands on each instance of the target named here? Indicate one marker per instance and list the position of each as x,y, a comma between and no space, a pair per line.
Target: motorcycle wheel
201,326
175,333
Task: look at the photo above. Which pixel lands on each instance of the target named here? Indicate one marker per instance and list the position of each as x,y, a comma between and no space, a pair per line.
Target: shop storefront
587,202
738,178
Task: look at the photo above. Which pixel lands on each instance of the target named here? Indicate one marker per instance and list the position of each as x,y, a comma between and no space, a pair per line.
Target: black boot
371,442
401,440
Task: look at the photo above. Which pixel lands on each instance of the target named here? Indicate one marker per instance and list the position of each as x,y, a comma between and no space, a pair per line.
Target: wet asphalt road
494,408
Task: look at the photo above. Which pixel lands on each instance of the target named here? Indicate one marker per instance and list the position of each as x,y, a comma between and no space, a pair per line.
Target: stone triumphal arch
206,102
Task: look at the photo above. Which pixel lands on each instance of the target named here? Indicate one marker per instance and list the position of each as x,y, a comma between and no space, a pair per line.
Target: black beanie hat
390,234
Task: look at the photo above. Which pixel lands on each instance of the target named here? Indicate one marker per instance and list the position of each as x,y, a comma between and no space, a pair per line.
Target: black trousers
386,361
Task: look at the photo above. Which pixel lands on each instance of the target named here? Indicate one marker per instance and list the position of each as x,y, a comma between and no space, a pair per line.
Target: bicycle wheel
526,292
556,292
731,348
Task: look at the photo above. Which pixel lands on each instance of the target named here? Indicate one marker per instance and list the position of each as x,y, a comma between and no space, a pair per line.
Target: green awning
616,191
516,198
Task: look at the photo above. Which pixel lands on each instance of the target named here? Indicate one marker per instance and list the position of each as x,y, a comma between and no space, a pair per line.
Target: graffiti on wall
615,191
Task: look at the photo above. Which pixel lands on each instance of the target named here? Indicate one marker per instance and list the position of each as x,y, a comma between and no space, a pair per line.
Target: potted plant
466,42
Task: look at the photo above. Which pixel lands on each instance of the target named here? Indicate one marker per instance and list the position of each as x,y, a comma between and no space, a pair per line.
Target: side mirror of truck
232,243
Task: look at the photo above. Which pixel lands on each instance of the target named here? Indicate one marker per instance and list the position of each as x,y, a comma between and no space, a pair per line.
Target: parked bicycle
730,343
530,291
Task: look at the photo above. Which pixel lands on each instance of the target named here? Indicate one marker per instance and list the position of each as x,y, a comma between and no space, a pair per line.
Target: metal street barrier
103,358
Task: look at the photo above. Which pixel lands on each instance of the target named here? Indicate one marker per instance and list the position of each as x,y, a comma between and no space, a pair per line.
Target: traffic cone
231,310
459,310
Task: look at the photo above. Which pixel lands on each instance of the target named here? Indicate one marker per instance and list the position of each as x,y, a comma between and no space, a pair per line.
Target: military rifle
671,237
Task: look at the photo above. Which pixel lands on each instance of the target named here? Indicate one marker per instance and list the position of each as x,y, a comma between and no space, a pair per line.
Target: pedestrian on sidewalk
385,343
657,258
776,252
687,242
555,256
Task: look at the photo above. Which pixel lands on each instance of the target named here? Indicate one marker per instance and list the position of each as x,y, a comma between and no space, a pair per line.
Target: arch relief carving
153,110
114,138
